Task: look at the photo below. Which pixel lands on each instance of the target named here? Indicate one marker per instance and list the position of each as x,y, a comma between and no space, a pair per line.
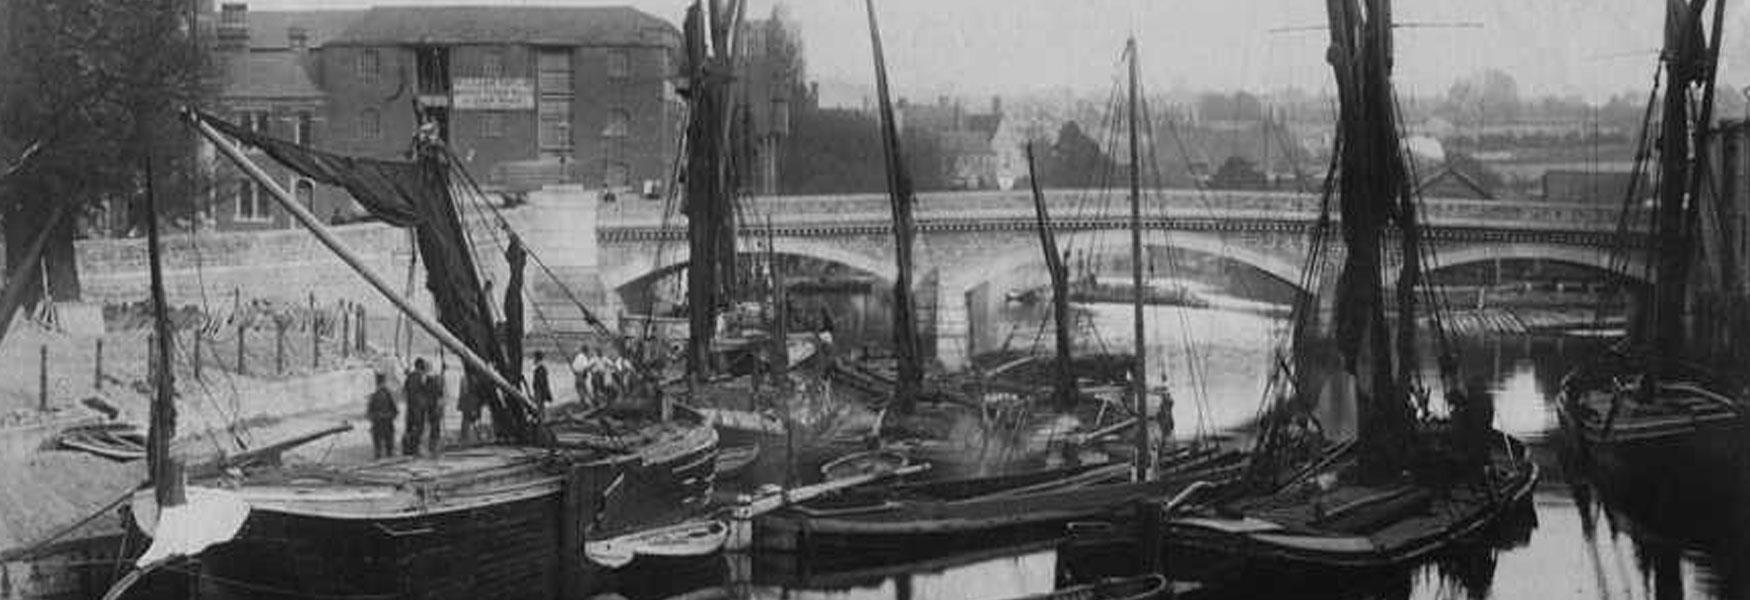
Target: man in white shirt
581,366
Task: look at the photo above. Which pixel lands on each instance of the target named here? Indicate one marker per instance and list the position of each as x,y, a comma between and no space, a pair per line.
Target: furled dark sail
708,203
417,195
899,192
1374,194
1689,74
517,259
1065,392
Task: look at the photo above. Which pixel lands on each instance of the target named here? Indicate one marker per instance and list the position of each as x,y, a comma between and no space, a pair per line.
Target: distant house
967,140
525,96
1448,182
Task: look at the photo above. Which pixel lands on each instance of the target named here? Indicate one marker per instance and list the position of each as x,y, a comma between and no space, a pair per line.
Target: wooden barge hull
979,521
513,532
1229,551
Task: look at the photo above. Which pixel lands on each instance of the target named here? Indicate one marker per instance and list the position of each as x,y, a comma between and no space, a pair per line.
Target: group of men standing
600,377
423,391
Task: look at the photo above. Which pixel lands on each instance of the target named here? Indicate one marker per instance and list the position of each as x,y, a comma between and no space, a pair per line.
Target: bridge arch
647,265
963,278
1631,267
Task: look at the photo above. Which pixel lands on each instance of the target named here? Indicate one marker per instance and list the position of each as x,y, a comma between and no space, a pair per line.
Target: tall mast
1139,385
1679,196
899,192
165,472
1066,383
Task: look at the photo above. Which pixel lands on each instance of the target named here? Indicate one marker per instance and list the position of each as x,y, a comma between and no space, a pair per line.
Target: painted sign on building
492,93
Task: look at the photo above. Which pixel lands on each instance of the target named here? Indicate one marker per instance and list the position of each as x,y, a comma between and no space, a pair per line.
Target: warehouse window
370,64
619,64
370,124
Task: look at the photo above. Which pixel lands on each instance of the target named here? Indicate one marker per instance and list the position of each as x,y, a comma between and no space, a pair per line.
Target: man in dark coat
413,389
543,389
381,410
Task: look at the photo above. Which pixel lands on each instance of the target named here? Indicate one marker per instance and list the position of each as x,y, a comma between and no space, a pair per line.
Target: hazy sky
1592,48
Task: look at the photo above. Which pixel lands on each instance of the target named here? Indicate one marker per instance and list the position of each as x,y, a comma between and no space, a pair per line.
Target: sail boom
314,225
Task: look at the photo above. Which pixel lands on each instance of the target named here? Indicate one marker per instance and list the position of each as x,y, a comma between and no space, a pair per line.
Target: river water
1584,538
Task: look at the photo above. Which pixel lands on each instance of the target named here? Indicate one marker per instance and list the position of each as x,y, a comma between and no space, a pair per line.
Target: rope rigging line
236,428
534,257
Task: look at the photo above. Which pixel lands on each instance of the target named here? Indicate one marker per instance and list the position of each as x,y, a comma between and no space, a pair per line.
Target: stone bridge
975,245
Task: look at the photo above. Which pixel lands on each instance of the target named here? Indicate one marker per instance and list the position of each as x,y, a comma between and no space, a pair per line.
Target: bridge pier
953,328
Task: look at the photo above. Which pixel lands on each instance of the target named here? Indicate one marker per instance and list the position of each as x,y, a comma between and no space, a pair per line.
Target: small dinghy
115,441
868,462
732,459
692,538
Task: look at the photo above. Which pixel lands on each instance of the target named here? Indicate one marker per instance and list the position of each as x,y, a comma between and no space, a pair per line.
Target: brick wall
288,265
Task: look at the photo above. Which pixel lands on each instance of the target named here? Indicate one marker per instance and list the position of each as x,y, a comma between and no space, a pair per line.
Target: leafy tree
833,151
94,85
1238,173
1490,95
1076,161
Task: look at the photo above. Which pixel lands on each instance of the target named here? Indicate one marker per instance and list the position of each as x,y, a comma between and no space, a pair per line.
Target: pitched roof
578,26
1451,182
269,74
268,29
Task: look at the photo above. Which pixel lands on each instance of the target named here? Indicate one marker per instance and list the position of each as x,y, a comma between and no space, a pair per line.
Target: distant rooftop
594,25
269,74
270,29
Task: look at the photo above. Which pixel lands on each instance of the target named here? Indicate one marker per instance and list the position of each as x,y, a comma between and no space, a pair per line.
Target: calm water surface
1586,539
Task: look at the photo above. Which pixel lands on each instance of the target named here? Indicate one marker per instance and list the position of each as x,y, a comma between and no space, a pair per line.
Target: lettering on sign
491,93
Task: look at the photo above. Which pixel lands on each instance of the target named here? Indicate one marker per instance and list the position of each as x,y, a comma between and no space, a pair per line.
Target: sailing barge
503,520
1664,389
1412,482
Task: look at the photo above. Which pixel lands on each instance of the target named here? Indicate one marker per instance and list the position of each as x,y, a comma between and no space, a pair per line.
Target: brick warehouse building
526,96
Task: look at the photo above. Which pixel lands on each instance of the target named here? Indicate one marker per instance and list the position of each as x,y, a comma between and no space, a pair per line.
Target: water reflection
1659,530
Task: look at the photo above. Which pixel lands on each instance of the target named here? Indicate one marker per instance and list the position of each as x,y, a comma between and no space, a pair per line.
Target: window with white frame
250,203
305,192
255,120
306,128
619,64
370,124
370,65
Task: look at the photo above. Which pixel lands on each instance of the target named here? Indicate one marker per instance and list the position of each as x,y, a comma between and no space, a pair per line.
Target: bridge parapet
1086,207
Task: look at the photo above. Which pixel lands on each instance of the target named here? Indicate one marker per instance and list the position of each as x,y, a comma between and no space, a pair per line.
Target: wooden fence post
43,379
360,330
97,366
196,342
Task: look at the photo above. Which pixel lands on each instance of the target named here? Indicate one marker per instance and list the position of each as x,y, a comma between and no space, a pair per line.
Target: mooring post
43,380
360,330
196,342
97,366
